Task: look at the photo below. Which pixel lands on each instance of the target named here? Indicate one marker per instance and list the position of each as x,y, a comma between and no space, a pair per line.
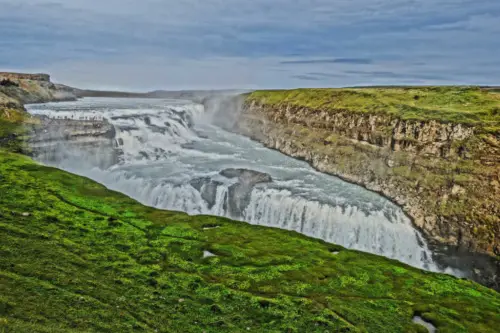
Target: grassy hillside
76,257
466,105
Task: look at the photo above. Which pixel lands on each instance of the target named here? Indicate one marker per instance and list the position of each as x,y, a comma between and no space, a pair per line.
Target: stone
208,254
457,190
211,227
248,176
207,188
240,192
420,321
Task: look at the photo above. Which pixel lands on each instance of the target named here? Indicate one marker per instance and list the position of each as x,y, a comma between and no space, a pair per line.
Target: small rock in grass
181,300
207,254
429,326
211,227
26,214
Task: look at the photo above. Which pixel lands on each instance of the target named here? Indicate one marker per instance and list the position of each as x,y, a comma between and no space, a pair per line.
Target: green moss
466,105
12,128
89,259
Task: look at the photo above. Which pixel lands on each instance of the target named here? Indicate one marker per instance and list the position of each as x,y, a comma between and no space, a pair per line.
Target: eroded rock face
245,176
443,175
34,88
207,188
55,139
238,193
423,137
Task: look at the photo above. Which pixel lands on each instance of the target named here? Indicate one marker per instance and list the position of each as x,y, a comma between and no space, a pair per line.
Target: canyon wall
16,90
446,176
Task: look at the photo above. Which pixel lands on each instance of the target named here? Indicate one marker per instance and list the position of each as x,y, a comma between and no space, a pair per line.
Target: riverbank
77,257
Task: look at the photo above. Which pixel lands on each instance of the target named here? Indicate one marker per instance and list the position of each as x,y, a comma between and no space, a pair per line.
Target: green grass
87,259
466,105
13,127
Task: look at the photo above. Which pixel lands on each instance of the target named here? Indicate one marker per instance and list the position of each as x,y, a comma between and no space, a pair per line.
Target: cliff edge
17,89
433,150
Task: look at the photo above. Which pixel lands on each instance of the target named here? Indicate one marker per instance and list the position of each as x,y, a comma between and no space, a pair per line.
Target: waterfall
171,156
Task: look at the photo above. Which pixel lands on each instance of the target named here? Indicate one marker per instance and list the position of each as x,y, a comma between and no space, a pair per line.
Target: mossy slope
89,259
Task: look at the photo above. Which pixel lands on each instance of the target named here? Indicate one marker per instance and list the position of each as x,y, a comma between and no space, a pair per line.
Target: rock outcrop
207,188
33,88
17,89
446,176
238,193
24,76
95,139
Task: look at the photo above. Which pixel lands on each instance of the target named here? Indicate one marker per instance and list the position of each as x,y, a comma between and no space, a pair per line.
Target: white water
167,144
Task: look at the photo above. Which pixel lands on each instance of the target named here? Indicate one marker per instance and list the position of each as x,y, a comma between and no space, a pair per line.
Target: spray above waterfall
176,155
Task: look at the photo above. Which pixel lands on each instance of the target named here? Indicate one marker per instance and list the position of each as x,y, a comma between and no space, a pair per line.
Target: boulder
240,192
207,188
247,176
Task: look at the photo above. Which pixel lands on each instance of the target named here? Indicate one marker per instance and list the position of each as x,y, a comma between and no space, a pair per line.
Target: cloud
209,42
393,75
330,75
307,77
356,61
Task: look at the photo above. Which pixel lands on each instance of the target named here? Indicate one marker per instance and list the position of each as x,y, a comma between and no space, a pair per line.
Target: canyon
120,260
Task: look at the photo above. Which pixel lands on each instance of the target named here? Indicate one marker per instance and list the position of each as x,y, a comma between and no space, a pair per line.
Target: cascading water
171,156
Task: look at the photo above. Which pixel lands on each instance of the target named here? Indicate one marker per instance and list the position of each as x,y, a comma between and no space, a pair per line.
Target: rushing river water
171,156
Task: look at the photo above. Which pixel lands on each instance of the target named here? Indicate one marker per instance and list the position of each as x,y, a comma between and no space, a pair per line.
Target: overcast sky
202,44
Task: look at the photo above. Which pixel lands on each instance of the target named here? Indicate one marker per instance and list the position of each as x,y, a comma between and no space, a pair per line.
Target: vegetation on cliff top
77,257
466,105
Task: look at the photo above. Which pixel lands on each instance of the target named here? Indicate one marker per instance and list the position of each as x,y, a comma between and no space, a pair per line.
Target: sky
251,44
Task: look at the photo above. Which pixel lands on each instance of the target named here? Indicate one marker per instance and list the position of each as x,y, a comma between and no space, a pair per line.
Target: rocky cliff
445,175
31,88
25,76
17,89
93,140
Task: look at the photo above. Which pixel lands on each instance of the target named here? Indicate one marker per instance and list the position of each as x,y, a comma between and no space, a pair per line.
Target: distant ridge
193,95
